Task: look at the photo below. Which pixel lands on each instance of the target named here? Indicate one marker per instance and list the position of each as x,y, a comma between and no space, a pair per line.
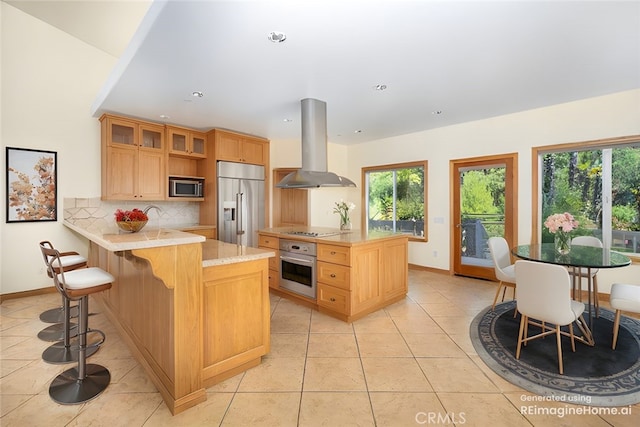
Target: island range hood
314,172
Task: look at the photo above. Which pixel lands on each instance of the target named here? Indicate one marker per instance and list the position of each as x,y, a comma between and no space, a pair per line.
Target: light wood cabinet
235,147
356,270
208,232
133,159
272,243
354,277
236,315
186,142
395,274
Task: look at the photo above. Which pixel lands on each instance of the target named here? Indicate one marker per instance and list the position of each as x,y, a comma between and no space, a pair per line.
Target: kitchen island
356,272
192,311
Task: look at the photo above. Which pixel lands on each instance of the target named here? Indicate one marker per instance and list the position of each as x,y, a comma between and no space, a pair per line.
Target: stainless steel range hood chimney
314,173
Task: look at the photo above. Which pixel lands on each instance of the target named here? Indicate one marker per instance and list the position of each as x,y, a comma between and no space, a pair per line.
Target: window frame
394,167
536,174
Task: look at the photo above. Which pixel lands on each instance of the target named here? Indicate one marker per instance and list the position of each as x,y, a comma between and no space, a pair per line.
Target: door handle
240,214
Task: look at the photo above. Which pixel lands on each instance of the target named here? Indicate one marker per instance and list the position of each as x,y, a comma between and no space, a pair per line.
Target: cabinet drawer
268,241
334,254
209,233
274,262
333,298
274,279
334,275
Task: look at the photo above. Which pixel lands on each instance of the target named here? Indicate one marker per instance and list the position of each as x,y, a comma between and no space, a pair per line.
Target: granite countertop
113,239
215,252
344,238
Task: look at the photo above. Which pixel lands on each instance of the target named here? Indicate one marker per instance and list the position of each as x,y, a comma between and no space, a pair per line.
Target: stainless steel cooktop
313,233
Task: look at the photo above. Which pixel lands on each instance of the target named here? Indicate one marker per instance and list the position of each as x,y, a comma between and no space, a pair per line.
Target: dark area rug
597,376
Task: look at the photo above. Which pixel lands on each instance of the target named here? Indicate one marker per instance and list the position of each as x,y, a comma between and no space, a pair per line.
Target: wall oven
180,186
298,267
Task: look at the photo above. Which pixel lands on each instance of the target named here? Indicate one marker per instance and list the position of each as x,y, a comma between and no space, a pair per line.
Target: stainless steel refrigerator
240,202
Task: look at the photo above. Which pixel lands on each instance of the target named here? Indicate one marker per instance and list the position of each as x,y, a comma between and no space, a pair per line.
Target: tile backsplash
93,213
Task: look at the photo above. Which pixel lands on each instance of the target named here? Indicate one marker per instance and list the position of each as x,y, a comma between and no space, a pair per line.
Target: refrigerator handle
239,214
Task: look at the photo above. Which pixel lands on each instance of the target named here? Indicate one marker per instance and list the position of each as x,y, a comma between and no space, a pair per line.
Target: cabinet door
122,173
236,148
395,262
151,176
252,151
121,132
151,137
366,273
178,141
198,144
228,147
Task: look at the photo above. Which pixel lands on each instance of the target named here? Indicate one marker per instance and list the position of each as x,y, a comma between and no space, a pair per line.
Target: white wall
49,80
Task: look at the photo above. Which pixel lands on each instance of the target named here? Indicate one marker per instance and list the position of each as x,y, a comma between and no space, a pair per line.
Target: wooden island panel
160,322
236,318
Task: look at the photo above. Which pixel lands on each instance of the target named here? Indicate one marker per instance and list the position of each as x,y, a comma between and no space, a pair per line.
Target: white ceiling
470,60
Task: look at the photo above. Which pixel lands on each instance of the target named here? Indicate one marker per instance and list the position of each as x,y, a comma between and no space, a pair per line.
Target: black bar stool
86,381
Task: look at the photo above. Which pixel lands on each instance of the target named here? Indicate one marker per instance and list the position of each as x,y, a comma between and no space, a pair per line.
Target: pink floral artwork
31,185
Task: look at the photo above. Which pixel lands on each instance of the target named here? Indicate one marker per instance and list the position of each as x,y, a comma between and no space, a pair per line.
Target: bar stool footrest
56,315
56,332
58,354
67,389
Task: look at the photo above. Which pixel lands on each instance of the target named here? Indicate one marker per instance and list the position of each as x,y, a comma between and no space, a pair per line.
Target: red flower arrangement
133,215
132,220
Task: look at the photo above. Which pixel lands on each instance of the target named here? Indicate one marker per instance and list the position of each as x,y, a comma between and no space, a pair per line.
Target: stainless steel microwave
180,186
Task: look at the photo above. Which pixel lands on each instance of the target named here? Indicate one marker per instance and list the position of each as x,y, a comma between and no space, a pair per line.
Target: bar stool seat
86,381
623,297
59,330
71,261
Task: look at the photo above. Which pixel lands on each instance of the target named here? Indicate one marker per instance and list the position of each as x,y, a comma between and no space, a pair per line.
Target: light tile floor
410,364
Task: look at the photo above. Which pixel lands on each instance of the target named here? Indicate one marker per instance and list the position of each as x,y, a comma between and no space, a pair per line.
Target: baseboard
31,293
430,269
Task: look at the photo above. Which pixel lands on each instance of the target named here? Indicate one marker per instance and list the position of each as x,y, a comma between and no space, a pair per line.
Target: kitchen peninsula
193,312
356,272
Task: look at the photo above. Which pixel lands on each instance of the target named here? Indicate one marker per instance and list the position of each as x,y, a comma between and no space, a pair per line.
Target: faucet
152,207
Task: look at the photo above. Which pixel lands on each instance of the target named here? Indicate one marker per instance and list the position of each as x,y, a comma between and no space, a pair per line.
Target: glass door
483,207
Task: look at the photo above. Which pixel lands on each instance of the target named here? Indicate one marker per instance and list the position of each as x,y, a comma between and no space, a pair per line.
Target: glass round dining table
587,257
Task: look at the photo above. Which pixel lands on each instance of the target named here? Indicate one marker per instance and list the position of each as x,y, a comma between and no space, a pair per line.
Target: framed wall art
32,187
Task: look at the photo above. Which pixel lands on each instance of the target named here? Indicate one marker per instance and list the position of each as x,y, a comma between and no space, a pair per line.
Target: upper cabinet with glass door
133,159
185,142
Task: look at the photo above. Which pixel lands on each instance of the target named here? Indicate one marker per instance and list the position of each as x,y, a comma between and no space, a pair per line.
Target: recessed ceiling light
436,112
197,94
287,120
277,37
380,87
358,131
164,116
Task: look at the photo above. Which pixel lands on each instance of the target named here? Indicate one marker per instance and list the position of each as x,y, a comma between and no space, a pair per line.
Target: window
599,184
396,198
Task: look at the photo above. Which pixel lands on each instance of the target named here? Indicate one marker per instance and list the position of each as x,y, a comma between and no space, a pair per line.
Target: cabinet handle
333,252
332,299
333,275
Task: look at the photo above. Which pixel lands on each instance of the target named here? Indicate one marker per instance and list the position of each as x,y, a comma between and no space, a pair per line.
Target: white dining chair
623,297
544,300
583,273
503,267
